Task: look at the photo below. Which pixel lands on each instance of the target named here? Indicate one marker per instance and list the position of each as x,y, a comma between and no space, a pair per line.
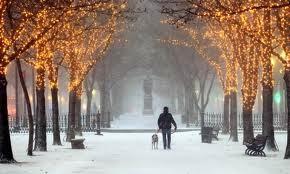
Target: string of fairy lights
88,49
248,35
75,36
235,28
36,26
227,82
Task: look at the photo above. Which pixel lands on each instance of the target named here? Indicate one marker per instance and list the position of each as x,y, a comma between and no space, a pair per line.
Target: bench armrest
248,144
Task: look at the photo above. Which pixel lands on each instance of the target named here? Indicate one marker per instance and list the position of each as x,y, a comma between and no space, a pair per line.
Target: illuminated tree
42,56
282,23
53,67
213,45
38,60
244,19
78,69
54,59
28,106
220,37
89,44
267,80
23,24
18,19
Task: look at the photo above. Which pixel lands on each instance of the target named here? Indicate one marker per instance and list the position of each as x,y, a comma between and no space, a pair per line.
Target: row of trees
239,39
47,35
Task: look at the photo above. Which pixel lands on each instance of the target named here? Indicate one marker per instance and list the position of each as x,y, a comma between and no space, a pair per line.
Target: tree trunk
267,78
71,116
287,84
29,110
33,92
189,105
172,98
89,84
102,106
78,119
6,155
247,124
259,101
88,109
55,116
17,127
104,100
233,117
193,110
202,123
109,118
180,101
226,114
267,118
40,140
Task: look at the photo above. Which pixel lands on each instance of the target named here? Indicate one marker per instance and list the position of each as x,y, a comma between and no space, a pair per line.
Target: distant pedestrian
164,123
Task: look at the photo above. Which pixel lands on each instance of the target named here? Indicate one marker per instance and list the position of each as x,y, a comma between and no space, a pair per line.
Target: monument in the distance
147,84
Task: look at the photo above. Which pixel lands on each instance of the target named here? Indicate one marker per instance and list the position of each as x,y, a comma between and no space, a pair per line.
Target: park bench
215,133
256,146
77,143
209,133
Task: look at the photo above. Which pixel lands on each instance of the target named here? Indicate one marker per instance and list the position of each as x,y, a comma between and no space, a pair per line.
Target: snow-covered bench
206,134
256,146
209,133
77,143
215,133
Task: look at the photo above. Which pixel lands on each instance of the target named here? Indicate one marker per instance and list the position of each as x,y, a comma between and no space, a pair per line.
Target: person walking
165,121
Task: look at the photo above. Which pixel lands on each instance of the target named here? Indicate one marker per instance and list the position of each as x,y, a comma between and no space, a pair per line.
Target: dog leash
157,131
172,131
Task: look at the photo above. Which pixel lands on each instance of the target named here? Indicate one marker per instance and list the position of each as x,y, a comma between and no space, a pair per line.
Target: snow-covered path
131,154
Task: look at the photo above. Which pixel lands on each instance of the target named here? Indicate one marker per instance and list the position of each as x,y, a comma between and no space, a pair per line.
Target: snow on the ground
116,153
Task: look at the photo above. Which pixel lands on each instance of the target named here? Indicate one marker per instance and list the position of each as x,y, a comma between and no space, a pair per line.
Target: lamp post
98,124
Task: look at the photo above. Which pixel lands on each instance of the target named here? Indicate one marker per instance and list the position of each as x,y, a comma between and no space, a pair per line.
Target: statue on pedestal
148,109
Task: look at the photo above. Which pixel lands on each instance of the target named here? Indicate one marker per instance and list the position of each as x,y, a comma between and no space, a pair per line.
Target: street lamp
277,97
94,92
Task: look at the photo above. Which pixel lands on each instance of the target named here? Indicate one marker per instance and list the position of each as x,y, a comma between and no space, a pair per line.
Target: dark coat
165,120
